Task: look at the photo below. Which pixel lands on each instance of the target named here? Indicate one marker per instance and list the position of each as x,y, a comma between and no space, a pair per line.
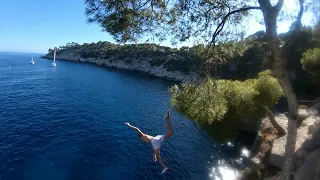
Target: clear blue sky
37,25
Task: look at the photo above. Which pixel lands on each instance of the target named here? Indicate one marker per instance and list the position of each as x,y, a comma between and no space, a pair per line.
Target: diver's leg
164,167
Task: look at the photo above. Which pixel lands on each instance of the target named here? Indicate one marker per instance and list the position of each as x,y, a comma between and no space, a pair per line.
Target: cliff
159,61
269,148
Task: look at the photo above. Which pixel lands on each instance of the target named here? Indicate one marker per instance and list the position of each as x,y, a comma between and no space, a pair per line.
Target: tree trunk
270,14
280,73
275,124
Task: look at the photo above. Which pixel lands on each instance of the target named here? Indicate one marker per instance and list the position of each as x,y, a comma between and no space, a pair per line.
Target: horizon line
1,51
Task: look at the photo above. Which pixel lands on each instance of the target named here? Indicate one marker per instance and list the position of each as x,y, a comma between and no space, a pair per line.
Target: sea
67,123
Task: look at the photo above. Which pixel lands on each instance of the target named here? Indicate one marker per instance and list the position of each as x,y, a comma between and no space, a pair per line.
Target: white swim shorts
156,141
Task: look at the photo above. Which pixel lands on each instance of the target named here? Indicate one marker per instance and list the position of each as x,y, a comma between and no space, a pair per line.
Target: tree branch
298,23
275,124
297,26
222,23
265,3
278,6
141,5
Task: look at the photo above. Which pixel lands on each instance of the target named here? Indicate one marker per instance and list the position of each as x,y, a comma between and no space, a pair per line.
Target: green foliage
308,79
299,43
197,101
239,96
304,83
311,61
128,20
315,42
268,88
225,51
246,55
171,58
237,102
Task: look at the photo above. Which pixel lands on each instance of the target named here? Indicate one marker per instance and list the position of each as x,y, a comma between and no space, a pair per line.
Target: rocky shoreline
143,65
269,148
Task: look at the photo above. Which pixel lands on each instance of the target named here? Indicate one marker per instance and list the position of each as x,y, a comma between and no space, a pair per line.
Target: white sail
32,62
54,59
54,56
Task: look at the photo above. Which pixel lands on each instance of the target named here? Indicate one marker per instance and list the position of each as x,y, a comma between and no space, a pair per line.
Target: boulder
266,134
315,109
303,114
310,169
313,128
277,152
306,160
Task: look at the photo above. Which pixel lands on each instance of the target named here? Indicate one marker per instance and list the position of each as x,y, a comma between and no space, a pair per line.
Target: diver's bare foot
155,158
164,170
167,116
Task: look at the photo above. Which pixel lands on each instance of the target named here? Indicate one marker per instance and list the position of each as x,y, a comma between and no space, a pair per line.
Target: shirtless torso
146,138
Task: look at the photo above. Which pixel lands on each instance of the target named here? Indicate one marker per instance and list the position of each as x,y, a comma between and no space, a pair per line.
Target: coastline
142,66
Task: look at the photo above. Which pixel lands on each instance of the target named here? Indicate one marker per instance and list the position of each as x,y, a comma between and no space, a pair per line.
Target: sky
37,25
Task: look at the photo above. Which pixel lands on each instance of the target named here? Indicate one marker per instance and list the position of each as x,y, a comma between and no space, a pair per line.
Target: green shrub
311,61
237,102
199,102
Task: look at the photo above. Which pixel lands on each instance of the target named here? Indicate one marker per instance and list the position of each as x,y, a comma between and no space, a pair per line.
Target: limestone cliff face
133,63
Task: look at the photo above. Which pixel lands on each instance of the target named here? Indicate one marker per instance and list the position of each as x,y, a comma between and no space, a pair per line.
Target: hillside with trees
233,60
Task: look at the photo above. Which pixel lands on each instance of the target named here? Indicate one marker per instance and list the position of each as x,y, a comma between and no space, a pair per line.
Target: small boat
32,62
54,59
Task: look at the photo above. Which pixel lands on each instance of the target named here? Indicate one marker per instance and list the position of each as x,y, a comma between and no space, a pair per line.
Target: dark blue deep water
66,123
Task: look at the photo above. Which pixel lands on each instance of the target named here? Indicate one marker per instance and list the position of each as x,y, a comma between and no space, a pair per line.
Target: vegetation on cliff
172,59
238,60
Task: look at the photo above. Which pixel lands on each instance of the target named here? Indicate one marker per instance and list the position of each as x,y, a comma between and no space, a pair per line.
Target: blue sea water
66,123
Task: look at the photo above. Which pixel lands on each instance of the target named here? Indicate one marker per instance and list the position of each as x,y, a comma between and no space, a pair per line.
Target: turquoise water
66,123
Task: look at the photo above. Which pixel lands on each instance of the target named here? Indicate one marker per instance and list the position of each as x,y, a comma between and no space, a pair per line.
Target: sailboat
32,62
54,59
